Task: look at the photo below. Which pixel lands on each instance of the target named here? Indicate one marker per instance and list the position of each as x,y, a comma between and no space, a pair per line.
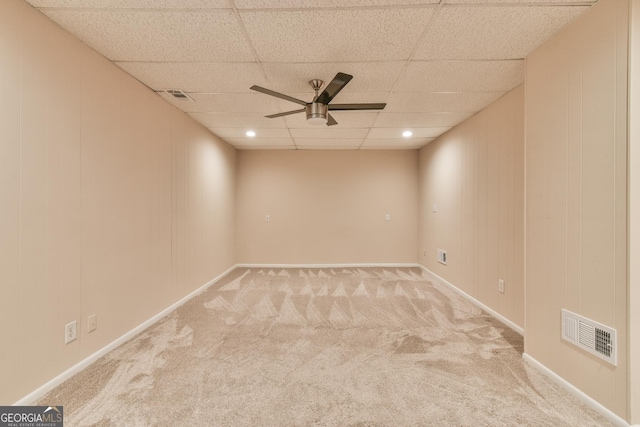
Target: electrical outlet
266,218
92,323
501,286
70,332
387,217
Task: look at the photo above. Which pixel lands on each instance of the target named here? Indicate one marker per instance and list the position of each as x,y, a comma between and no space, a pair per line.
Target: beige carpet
336,347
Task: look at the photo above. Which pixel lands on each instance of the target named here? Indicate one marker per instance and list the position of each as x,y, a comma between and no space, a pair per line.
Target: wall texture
474,175
111,201
326,207
576,196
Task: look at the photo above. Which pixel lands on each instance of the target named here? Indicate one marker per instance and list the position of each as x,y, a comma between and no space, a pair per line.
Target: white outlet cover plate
70,332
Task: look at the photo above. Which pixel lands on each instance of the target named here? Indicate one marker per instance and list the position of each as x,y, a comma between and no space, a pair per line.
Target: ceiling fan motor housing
317,113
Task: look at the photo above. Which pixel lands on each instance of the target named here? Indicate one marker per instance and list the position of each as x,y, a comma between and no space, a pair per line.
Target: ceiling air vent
178,94
597,339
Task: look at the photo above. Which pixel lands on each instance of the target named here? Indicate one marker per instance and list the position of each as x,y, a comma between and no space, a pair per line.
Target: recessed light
250,133
407,133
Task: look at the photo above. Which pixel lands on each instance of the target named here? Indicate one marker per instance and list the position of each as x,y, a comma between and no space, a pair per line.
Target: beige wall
111,201
576,196
474,175
326,207
634,214
114,203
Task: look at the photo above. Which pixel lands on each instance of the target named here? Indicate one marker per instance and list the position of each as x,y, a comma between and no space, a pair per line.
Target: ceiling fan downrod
316,112
316,85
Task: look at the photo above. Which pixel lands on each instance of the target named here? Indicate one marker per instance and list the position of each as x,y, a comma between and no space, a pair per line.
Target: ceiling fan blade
286,113
345,107
333,88
330,120
277,94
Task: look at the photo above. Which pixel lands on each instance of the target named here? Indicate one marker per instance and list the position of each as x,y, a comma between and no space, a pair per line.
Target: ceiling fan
318,110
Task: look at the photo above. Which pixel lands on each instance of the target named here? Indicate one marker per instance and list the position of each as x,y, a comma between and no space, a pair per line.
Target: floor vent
597,339
178,94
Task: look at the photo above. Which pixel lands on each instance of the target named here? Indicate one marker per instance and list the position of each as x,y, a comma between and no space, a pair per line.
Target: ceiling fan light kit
317,111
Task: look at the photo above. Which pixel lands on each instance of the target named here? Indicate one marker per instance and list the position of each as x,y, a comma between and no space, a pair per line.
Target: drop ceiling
434,62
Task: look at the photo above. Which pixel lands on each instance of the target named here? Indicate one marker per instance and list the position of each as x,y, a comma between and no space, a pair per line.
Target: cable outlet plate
92,323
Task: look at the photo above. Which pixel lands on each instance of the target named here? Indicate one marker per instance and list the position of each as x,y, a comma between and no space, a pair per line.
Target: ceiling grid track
433,63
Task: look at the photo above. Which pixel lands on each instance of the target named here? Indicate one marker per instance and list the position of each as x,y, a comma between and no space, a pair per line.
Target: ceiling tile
299,4
420,120
351,143
336,35
462,76
238,120
196,77
327,147
158,35
345,119
230,133
261,143
367,76
499,32
328,132
436,102
266,147
133,4
395,144
394,133
224,103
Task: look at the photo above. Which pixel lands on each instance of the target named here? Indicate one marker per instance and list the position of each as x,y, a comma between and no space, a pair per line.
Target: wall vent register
591,336
178,94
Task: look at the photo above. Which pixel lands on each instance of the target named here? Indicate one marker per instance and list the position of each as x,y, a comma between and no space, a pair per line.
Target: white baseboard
41,391
590,402
463,294
47,387
44,389
354,265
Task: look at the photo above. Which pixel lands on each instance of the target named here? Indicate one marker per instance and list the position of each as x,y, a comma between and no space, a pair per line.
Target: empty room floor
330,346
